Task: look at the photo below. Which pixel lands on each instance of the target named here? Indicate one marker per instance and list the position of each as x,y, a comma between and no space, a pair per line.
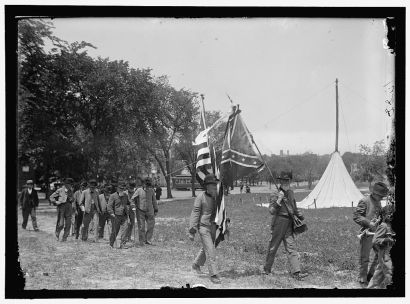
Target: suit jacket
63,195
203,213
280,209
145,200
117,205
366,210
87,197
27,200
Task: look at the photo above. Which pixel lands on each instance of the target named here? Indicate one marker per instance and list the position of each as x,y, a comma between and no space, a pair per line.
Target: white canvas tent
335,188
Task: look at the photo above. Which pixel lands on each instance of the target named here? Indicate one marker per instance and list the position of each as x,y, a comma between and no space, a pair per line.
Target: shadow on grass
234,274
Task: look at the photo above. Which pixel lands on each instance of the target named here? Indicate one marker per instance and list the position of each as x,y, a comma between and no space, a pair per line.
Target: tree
169,111
373,164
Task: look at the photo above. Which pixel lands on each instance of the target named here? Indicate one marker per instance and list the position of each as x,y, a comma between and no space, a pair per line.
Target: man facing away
282,205
366,215
90,203
147,209
29,202
117,208
203,221
64,198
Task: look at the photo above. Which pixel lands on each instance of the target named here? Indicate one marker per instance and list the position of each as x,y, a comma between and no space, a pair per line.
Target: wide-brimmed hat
380,188
285,175
92,182
68,180
210,179
30,182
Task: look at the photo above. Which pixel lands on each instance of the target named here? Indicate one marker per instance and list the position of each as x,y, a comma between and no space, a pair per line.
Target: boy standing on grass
382,242
366,214
203,221
282,205
77,210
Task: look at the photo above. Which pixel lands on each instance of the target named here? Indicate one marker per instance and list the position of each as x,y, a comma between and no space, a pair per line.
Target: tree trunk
168,177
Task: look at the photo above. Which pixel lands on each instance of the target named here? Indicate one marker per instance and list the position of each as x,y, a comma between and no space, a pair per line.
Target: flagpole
203,111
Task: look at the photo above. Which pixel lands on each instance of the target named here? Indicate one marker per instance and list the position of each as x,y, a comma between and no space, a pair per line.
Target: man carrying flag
203,221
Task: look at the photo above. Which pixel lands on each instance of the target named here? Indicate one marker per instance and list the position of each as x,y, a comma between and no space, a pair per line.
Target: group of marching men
121,203
117,204
376,238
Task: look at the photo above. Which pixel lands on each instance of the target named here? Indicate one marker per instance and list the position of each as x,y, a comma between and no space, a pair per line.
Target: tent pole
337,117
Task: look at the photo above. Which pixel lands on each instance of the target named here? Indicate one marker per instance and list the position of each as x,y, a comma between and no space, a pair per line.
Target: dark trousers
102,219
282,233
130,226
32,212
88,216
119,224
148,218
78,222
63,219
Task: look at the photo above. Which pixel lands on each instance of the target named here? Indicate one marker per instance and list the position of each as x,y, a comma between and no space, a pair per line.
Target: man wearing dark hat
117,208
203,221
366,215
282,205
131,206
90,203
79,213
147,209
29,202
64,198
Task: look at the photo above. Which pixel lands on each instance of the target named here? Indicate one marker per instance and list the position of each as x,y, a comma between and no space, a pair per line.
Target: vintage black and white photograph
208,153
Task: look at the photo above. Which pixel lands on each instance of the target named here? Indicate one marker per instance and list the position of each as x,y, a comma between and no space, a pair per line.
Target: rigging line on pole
297,105
344,122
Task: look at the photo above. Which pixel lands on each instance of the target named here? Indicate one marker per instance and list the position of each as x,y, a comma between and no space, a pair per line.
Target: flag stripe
239,153
205,161
239,163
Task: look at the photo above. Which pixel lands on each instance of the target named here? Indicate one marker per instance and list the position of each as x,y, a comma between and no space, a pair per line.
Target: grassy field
328,251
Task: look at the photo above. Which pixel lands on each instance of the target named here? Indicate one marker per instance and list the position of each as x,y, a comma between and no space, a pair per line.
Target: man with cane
117,208
282,205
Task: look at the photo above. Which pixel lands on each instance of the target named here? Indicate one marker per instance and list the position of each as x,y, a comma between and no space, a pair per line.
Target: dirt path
87,265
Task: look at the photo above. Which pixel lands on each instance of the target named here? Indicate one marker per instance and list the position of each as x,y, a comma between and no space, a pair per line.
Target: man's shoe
363,285
266,271
36,229
23,227
215,279
196,268
64,240
299,276
148,243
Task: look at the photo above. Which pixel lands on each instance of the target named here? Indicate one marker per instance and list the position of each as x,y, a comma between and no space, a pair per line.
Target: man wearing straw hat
29,202
367,216
64,202
203,221
282,205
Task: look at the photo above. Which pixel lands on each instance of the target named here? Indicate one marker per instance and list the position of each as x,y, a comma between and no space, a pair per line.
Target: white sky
281,71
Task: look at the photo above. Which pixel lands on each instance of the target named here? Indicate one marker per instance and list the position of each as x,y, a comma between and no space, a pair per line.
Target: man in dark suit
282,205
29,202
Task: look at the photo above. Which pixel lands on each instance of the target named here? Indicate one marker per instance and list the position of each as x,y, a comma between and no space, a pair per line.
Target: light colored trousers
368,258
384,271
207,252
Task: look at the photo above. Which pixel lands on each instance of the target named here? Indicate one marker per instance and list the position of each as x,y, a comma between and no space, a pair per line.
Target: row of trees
368,165
88,117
